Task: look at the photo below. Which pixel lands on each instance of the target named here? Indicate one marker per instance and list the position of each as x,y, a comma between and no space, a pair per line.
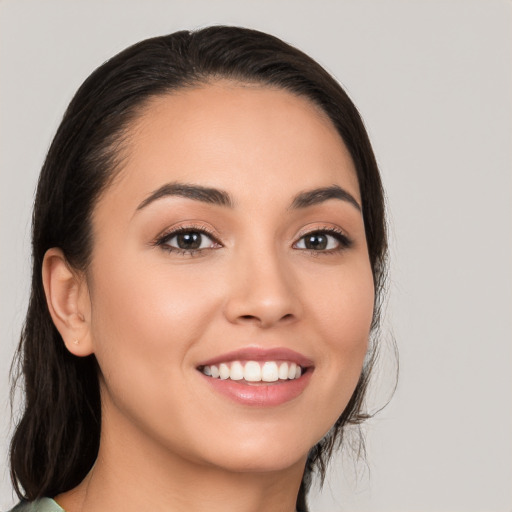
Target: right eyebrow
195,192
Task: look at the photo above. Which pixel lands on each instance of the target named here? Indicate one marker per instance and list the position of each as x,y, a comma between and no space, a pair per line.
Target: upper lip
260,354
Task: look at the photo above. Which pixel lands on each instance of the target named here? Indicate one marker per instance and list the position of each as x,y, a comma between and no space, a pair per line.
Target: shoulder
42,505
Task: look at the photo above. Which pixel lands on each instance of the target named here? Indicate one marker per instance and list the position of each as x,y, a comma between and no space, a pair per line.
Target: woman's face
232,235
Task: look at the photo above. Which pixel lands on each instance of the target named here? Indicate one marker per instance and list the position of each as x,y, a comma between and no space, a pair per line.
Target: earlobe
67,297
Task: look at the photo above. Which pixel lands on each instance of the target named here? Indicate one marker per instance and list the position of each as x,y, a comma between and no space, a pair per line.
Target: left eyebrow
319,195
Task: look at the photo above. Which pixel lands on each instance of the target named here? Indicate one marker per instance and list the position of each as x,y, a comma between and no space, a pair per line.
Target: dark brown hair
56,441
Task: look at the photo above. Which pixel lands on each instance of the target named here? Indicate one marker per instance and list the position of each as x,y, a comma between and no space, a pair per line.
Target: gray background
433,81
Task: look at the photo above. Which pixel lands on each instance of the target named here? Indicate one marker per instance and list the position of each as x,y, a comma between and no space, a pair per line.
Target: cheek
146,318
343,303
343,313
151,297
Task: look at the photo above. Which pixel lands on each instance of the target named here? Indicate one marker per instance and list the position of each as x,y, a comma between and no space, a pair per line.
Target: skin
150,316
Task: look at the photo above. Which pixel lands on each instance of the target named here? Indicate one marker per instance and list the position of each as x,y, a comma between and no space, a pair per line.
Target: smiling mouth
254,372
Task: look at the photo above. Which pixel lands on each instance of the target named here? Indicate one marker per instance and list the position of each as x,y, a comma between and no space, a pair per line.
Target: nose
262,291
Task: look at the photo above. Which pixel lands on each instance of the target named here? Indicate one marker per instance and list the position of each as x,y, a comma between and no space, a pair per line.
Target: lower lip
260,394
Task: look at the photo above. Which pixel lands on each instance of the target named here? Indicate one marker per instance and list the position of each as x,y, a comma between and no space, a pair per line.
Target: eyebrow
195,192
319,195
222,198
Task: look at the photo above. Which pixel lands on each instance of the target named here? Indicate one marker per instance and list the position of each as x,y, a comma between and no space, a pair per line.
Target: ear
67,296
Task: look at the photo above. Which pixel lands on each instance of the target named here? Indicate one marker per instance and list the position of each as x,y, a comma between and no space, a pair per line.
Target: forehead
239,137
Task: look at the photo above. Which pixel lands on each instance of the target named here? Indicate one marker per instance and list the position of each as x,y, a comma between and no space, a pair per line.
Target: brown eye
316,242
187,240
325,240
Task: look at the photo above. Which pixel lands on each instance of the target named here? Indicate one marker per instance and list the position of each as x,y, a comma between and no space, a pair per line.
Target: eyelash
344,242
162,241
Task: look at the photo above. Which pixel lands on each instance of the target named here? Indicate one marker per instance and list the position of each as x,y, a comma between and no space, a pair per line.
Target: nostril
256,318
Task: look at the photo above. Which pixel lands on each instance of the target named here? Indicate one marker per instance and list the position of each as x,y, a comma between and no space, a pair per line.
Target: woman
209,250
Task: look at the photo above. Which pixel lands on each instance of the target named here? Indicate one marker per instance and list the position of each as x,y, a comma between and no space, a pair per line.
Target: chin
268,462
263,453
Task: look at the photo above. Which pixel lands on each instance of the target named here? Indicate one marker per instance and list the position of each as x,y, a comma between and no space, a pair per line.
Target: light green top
42,505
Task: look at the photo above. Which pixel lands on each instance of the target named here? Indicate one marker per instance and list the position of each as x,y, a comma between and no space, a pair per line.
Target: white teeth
237,371
254,371
283,371
269,372
291,371
224,371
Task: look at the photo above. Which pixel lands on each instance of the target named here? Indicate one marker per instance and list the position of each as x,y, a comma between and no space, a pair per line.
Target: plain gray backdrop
433,81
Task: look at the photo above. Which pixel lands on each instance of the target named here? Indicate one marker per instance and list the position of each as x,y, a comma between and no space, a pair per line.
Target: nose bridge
262,285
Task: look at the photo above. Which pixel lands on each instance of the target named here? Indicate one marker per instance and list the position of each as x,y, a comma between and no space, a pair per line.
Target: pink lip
261,394
260,354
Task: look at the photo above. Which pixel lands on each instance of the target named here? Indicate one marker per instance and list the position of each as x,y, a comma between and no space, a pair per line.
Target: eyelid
167,234
344,241
315,228
343,238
